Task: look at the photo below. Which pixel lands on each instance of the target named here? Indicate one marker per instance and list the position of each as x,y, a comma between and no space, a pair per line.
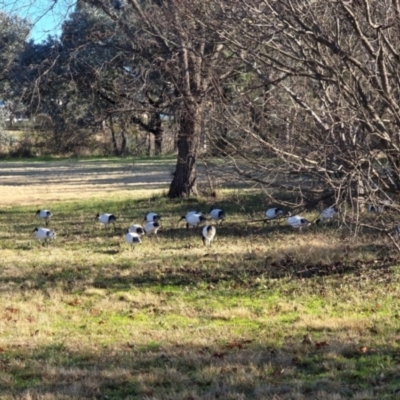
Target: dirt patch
41,182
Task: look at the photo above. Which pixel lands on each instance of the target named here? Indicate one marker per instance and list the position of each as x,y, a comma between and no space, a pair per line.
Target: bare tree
322,104
185,55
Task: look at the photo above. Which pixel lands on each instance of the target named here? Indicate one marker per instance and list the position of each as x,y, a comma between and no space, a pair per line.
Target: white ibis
217,214
106,219
132,238
298,222
136,228
44,214
327,215
193,219
44,234
151,217
208,233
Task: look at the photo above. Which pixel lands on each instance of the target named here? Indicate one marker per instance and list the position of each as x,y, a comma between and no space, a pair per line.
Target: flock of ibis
151,223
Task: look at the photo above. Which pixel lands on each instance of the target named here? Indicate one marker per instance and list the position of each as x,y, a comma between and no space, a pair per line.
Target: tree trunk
148,145
158,132
123,144
158,139
184,181
113,138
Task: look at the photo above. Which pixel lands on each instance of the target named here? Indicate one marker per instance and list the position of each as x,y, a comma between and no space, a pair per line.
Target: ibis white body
44,214
151,217
297,222
44,233
198,213
132,238
327,215
136,228
193,219
106,218
273,213
151,228
194,212
217,214
208,233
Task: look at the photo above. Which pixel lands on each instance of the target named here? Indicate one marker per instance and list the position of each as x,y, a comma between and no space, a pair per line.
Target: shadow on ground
236,369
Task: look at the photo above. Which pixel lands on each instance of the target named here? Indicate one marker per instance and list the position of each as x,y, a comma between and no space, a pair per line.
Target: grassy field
40,181
264,313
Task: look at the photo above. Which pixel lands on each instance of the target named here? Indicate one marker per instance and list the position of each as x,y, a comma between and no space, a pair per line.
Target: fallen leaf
75,302
219,355
234,344
363,349
321,344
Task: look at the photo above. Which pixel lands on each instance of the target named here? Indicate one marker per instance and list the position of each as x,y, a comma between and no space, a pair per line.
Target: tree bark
184,181
158,133
113,138
123,143
158,140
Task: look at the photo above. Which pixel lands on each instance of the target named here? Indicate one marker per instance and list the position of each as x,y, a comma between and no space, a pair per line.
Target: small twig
208,176
394,242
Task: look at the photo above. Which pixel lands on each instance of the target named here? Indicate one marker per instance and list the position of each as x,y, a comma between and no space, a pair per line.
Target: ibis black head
112,218
37,212
35,230
97,216
318,221
156,224
202,218
182,218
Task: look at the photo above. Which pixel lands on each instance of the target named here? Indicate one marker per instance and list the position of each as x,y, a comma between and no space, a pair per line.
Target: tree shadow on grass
108,251
203,266
236,368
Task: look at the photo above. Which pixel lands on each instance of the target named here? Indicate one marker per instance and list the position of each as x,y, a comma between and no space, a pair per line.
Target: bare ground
30,182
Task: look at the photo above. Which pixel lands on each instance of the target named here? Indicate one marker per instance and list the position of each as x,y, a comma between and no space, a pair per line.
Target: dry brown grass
26,183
